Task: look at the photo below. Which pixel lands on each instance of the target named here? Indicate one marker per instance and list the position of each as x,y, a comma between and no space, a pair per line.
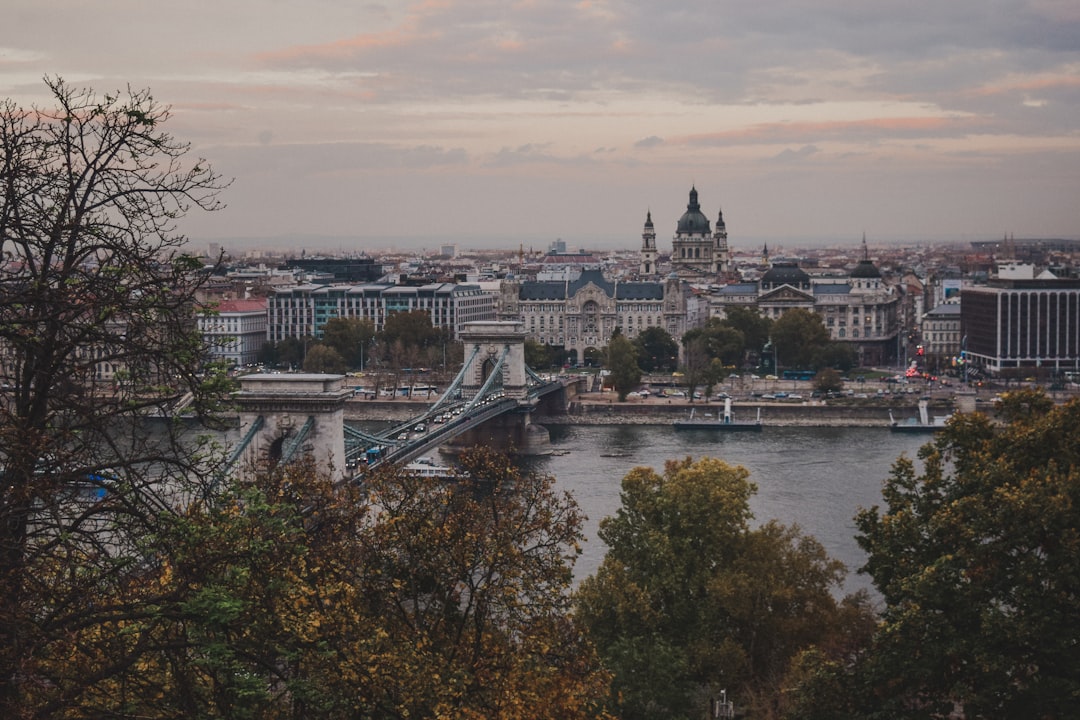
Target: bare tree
97,338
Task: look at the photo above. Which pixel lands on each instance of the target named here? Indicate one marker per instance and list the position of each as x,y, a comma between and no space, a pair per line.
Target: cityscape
891,305
603,360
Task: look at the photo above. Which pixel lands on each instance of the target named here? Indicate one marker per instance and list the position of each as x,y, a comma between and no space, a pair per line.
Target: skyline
423,123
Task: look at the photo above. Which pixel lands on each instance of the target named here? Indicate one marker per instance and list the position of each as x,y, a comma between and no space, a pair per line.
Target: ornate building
697,253
583,313
860,310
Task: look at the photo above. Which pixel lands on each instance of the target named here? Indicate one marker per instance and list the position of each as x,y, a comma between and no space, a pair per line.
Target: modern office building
303,310
1020,326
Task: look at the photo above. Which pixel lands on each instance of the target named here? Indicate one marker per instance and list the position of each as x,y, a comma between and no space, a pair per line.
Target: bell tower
648,247
721,255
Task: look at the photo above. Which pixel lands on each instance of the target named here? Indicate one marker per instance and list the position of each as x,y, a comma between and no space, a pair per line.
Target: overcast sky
502,121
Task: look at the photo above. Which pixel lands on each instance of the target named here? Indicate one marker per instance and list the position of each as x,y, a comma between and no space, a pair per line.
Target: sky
361,126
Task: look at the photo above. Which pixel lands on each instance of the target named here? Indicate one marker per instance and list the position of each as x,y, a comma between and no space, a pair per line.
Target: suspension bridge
490,401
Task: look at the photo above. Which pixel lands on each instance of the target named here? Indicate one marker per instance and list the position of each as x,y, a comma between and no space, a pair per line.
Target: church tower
648,247
721,255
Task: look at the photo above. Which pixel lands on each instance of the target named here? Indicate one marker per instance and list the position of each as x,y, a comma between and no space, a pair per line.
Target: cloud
651,141
788,155
865,130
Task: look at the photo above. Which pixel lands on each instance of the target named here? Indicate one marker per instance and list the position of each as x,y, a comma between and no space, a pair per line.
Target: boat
426,467
726,422
922,424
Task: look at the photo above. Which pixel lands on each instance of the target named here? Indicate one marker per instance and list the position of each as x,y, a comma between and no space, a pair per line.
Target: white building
236,331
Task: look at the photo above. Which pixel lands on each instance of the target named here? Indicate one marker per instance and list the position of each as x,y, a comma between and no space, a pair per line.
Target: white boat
427,467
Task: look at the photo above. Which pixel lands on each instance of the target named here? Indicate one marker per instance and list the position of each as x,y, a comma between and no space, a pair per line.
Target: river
816,478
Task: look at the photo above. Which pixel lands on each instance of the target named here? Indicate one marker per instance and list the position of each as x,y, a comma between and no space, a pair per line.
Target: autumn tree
97,303
697,365
828,381
292,596
977,557
622,362
691,599
322,358
350,337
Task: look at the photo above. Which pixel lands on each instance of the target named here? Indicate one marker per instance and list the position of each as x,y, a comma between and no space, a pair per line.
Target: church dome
866,270
785,273
693,220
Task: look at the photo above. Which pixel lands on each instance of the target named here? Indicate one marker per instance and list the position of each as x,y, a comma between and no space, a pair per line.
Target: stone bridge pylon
499,347
494,346
285,416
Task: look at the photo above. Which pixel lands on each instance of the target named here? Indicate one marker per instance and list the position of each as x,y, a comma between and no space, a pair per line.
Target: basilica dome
693,221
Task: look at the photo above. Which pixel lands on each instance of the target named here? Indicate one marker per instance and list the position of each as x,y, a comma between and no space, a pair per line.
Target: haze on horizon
476,121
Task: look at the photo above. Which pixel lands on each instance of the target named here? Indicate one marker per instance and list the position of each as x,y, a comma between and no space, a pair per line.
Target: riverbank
604,409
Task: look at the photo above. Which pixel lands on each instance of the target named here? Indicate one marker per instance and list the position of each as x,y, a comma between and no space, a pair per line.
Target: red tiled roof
241,305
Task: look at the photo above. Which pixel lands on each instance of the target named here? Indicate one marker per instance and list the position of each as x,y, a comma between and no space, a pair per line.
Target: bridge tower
485,343
285,416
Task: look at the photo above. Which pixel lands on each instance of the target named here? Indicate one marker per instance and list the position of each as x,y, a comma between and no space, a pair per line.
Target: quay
595,408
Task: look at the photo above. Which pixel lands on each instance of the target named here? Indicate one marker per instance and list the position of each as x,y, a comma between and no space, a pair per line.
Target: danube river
816,478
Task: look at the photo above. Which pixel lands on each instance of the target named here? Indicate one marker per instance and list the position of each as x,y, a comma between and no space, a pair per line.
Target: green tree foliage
977,558
408,339
656,350
291,351
828,381
94,278
538,356
351,338
324,359
697,367
690,599
838,355
754,326
622,362
412,329
798,337
725,342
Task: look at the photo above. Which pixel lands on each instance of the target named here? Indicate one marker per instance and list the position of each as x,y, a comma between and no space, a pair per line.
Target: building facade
697,252
1022,325
860,310
941,336
303,310
583,313
236,332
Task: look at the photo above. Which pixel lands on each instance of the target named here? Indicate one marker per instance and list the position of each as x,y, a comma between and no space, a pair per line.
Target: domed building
860,309
697,251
